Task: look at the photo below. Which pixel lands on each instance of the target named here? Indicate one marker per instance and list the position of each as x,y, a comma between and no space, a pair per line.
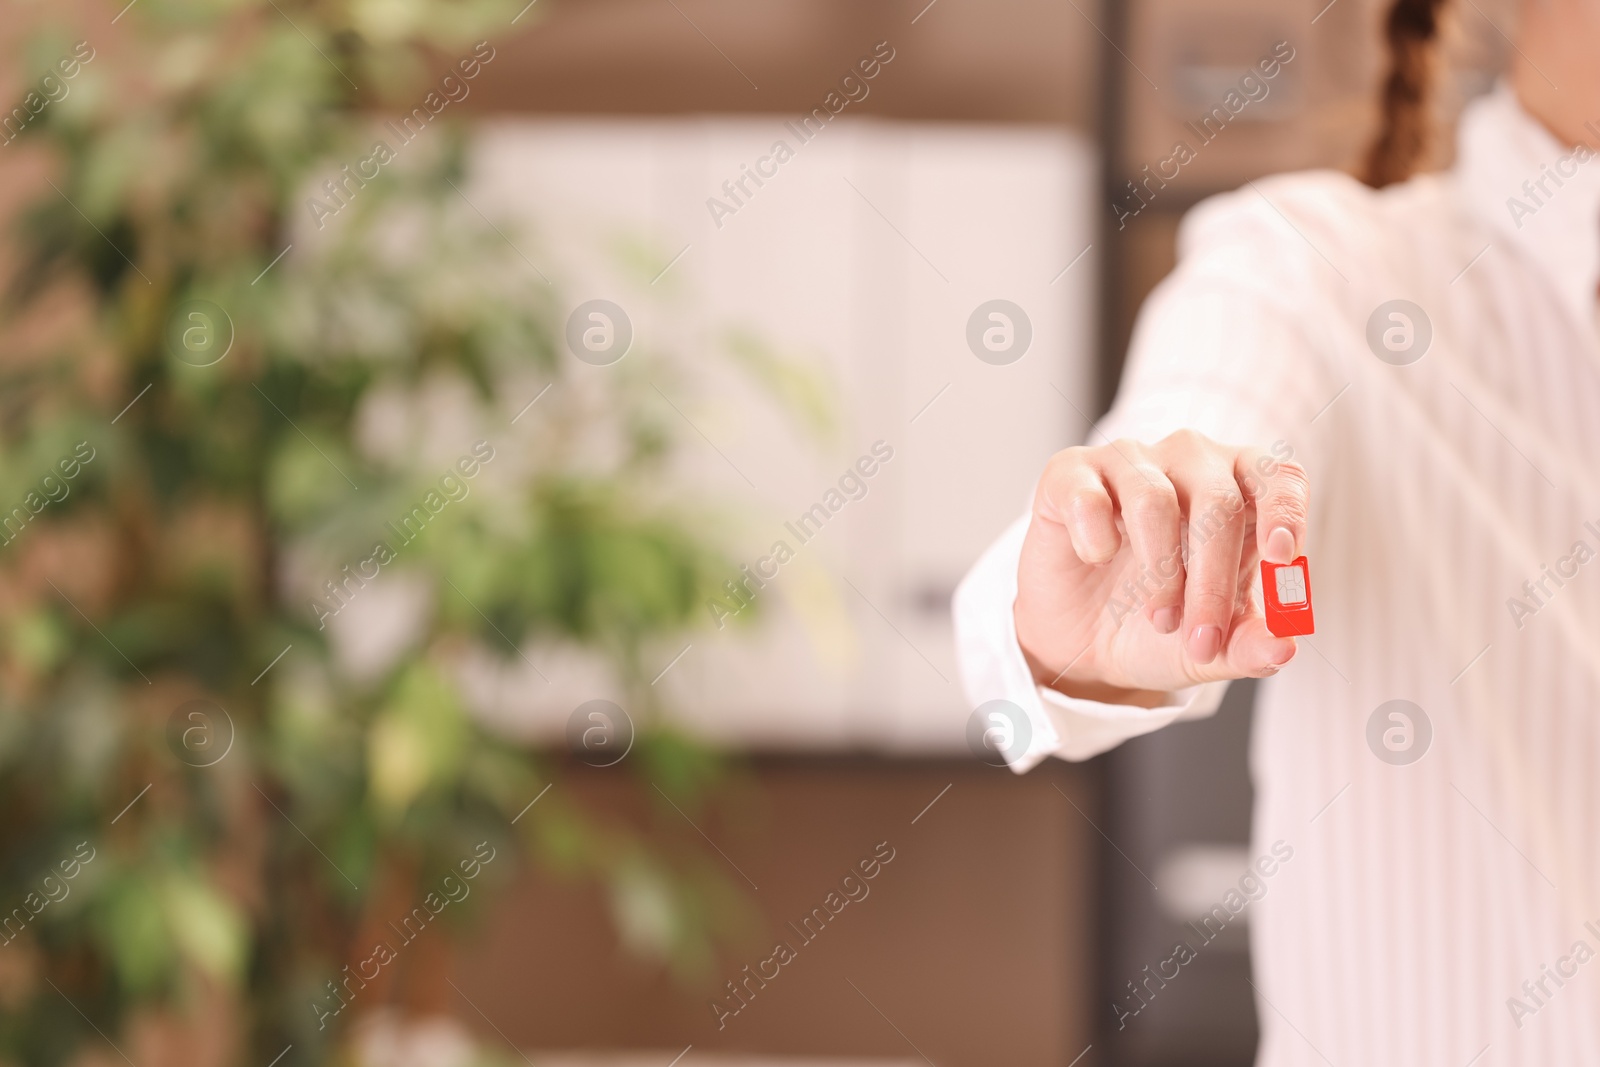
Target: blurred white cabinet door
864,254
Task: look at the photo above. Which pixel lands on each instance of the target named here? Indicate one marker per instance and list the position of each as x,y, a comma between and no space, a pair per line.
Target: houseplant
229,814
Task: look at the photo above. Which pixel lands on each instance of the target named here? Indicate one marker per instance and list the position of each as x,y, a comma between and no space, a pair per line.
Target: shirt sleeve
1221,347
1226,344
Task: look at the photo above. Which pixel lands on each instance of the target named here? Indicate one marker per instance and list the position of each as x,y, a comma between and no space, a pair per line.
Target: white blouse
1445,863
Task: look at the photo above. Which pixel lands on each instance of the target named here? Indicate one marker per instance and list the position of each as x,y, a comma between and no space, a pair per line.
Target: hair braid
1411,29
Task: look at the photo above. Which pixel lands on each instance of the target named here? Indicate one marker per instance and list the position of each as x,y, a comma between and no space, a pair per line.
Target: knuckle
1150,502
1210,598
1061,466
1223,497
1291,501
1063,473
1075,456
1291,510
1187,441
1088,502
1290,480
1126,453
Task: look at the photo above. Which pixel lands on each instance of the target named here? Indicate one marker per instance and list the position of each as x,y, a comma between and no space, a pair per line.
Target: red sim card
1286,592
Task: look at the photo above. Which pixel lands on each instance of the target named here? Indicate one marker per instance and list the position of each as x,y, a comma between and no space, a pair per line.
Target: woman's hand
1107,607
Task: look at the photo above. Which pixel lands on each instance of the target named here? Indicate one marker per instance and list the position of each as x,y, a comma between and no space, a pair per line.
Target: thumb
1251,651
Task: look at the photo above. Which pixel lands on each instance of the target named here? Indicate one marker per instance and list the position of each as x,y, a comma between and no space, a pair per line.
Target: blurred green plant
227,895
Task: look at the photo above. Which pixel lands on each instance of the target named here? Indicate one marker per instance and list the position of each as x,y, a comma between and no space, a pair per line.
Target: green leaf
417,740
39,639
131,924
206,926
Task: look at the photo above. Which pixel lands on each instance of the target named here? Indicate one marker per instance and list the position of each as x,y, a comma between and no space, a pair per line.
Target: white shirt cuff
993,668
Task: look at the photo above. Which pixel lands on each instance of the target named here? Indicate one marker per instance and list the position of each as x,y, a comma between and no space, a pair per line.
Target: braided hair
1410,30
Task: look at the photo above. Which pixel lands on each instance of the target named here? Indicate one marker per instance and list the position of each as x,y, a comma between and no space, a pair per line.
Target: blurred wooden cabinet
973,946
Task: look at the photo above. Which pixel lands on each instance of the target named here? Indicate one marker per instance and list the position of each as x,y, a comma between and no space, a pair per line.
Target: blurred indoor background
784,328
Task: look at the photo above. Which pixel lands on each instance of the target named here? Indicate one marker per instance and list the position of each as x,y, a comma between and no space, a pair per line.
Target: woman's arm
1127,589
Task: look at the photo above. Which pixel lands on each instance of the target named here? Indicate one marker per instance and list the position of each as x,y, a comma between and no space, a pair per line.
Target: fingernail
1165,620
1271,668
1280,546
1204,643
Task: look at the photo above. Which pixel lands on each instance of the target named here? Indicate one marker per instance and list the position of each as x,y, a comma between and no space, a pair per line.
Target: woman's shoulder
1316,232
1316,219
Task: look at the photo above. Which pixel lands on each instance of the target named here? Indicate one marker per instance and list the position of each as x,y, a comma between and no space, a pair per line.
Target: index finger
1281,492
